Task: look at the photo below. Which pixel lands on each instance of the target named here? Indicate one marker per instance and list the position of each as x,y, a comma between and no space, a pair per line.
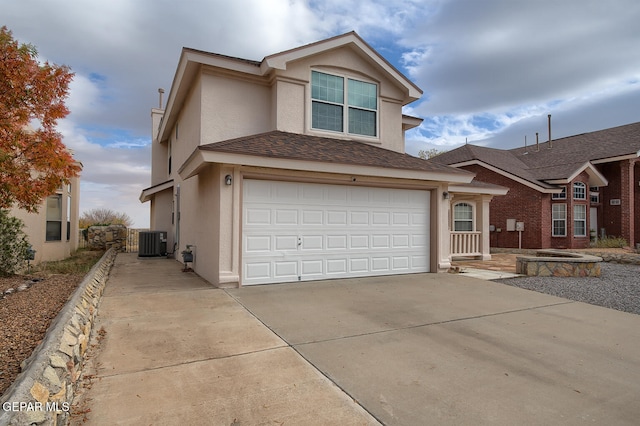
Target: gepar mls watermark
36,406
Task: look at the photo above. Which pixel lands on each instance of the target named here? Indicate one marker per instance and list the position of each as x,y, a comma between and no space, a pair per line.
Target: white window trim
553,228
584,190
345,106
473,215
560,196
584,206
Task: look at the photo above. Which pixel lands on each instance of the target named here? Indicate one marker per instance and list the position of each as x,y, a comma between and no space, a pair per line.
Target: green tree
33,160
13,244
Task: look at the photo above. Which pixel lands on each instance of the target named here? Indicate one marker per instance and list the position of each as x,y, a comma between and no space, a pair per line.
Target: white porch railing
465,243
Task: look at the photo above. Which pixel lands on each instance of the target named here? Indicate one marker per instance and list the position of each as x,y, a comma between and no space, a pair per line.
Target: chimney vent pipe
160,92
549,120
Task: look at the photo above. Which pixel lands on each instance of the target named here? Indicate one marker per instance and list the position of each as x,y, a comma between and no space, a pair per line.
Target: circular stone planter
556,263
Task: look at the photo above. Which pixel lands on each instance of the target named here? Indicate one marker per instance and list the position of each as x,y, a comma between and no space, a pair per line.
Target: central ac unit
152,243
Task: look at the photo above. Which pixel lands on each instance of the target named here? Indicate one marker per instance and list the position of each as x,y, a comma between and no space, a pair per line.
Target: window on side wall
463,217
579,191
54,218
580,220
561,195
559,220
342,104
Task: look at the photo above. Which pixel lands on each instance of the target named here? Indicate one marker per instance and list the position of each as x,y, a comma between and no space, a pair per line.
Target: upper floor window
331,109
579,191
463,217
560,195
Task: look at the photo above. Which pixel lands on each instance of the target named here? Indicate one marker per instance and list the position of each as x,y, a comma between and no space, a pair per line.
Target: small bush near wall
610,242
13,244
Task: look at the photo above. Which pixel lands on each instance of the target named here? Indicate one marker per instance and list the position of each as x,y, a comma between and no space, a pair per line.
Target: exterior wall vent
152,243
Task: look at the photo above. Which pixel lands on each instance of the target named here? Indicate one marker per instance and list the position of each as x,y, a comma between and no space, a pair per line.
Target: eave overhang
199,159
148,193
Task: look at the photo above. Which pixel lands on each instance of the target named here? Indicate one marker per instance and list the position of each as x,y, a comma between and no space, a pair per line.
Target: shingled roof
559,159
293,146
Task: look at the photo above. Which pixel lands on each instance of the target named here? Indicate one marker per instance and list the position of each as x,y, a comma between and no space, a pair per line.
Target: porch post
627,216
483,224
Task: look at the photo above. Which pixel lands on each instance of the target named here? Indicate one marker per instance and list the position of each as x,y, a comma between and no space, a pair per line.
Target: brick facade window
580,220
579,191
559,220
561,195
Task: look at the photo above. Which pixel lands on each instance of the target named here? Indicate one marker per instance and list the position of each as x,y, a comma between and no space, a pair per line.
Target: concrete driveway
447,349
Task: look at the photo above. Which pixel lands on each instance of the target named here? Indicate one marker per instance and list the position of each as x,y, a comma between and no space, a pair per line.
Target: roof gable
191,61
280,60
557,162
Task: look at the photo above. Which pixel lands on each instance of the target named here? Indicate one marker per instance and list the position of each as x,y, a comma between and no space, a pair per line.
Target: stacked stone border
42,393
555,263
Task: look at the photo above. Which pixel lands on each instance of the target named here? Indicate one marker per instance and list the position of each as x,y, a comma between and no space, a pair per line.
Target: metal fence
131,244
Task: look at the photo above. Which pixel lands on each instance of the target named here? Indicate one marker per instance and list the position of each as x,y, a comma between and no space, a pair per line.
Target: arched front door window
463,217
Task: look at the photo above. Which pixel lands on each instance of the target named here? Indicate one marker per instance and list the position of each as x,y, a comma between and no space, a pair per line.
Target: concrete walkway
402,350
179,352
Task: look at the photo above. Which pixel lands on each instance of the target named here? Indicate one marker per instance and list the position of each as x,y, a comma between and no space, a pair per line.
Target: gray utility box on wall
152,243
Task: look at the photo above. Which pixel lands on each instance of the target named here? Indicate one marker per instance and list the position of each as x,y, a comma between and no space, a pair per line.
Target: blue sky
490,70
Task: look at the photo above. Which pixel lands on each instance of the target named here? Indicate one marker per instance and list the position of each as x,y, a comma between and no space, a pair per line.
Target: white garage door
301,231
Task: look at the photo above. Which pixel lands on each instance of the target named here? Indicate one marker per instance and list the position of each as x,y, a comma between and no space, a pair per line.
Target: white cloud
491,71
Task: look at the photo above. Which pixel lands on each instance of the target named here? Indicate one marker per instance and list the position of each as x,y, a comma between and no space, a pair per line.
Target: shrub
610,242
13,244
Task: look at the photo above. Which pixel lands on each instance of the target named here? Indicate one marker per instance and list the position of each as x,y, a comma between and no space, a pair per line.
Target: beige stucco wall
232,107
158,151
161,215
36,223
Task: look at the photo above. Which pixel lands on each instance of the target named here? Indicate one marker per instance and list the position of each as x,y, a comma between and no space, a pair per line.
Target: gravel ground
618,287
26,315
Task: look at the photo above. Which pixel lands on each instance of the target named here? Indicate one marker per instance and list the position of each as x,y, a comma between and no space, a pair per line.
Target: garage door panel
380,218
380,264
337,217
336,266
286,270
359,265
296,231
286,217
312,217
359,241
312,242
286,242
258,216
359,218
258,243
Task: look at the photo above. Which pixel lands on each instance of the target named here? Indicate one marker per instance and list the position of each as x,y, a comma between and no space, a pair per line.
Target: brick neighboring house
564,191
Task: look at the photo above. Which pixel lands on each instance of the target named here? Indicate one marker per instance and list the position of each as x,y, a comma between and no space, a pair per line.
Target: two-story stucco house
294,168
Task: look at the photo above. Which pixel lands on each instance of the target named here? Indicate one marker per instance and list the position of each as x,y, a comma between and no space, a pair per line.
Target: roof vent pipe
537,143
160,92
549,120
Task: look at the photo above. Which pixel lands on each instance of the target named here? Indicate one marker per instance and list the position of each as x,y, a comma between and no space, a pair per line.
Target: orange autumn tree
33,160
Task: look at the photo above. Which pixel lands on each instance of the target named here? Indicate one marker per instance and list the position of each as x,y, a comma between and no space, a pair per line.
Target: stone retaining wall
42,393
107,237
549,263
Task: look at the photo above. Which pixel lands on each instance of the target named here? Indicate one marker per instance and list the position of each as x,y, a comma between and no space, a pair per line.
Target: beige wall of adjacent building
36,225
